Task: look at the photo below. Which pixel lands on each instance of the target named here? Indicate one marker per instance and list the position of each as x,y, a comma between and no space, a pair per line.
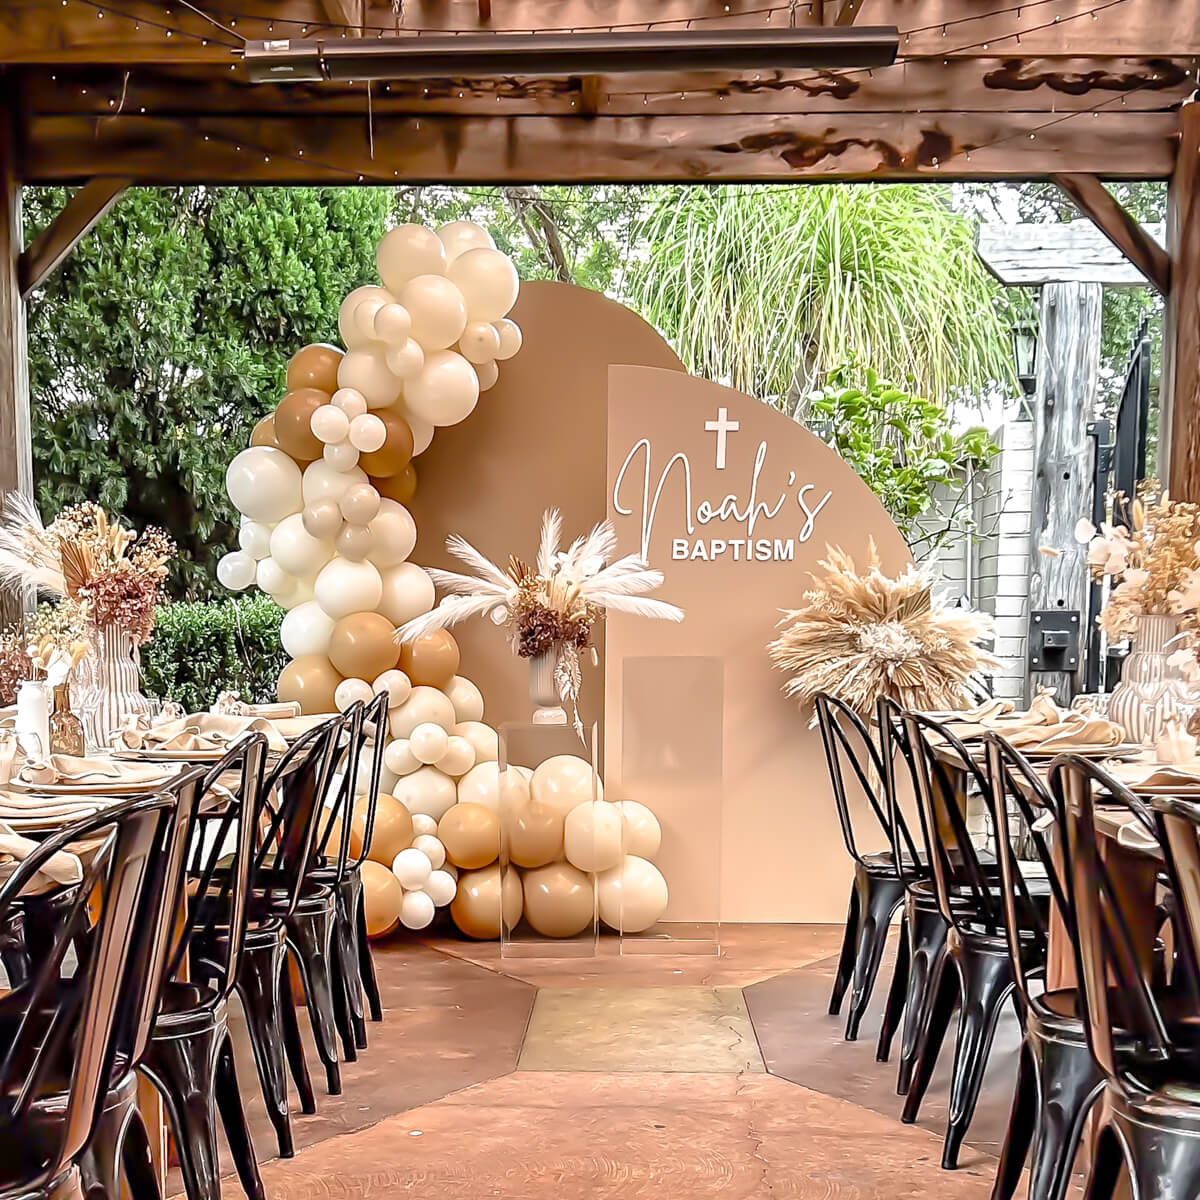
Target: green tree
164,337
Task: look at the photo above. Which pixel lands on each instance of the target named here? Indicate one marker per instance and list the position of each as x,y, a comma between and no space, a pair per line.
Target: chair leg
1107,1161
944,988
894,1009
141,1175
878,900
1071,1084
345,946
100,1163
928,932
1021,1122
845,968
258,985
366,964
986,982
310,938
233,1117
293,1044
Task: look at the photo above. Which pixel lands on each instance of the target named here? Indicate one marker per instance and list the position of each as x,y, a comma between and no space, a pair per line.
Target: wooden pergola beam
849,12
1096,203
485,10
350,13
64,233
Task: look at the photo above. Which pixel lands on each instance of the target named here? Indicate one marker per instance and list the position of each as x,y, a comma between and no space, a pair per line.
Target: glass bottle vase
543,687
111,688
1151,690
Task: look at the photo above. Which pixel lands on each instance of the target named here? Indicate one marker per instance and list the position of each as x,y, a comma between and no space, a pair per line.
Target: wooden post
16,447
1068,369
1179,434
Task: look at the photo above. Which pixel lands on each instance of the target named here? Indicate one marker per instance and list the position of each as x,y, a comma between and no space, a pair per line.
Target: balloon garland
322,491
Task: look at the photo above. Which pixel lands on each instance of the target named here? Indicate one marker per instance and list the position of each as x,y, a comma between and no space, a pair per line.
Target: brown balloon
471,835
264,432
293,424
315,366
392,832
361,646
533,835
560,900
310,682
477,905
382,895
396,452
401,487
431,660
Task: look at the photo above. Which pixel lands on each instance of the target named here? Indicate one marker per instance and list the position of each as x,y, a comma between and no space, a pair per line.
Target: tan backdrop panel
536,439
757,783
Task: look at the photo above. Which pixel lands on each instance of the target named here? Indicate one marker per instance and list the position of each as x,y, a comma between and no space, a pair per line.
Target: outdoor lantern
1025,349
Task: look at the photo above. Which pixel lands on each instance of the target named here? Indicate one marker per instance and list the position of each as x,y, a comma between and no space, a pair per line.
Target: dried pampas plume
864,635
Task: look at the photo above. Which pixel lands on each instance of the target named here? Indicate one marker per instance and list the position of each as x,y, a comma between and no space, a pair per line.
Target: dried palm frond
864,635
29,555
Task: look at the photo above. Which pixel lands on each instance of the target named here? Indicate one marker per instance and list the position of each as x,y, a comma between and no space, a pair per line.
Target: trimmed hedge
202,649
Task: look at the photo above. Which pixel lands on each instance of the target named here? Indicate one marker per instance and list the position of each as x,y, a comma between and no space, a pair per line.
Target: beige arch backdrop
693,721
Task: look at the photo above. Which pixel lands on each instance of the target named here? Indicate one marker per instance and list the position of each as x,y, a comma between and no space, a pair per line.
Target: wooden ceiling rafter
351,15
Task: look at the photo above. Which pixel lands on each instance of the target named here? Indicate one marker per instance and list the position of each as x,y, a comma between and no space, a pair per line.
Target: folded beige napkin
60,870
227,704
1076,730
1145,772
66,768
989,710
199,731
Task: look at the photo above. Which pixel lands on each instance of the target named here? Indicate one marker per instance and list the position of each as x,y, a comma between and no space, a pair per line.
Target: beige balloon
560,900
642,834
592,838
632,895
392,832
533,835
481,899
563,782
483,738
382,897
471,835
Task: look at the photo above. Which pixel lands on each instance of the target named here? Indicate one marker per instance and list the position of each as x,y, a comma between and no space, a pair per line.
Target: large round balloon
324,483
563,782
483,738
560,901
460,236
446,390
407,592
306,630
264,484
533,835
427,792
344,587
592,838
425,704
263,433
392,832
466,698
255,539
314,367
382,898
431,660
362,646
632,895
401,488
296,550
428,742
236,571
366,371
471,835
310,682
641,832
487,281
352,333
394,453
458,757
406,252
438,311
293,423
393,534
482,898
418,909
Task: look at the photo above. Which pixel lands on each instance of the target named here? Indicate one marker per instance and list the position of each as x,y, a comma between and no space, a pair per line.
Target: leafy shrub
201,649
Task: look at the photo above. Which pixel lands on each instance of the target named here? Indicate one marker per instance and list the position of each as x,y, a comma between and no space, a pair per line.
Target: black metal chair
878,889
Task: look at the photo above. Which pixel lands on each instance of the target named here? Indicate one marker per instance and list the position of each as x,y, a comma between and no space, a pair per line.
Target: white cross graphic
721,426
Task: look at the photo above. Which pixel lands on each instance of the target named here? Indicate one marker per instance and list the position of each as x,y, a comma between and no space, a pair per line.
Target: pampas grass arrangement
863,635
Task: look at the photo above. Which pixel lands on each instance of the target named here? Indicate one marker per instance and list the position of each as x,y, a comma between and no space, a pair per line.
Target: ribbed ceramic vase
112,686
543,688
1151,690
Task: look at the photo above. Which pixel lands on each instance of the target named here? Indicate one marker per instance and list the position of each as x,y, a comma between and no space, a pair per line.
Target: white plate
1123,750
104,787
152,754
42,824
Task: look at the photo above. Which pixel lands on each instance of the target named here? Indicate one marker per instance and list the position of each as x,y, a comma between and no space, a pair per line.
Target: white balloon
458,758
406,360
255,539
592,836
407,592
417,910
466,698
460,236
487,374
393,324
350,691
428,742
441,886
329,424
363,319
510,338
264,484
425,705
642,834
272,578
426,791
423,825
345,587
562,782
408,251
412,868
485,784
366,371
445,391
236,570
306,630
432,848
632,895
399,758
324,482
342,457
395,534
296,550
363,782
438,311
300,592
351,401
347,326
488,282
397,685
480,342
367,433
422,431
483,738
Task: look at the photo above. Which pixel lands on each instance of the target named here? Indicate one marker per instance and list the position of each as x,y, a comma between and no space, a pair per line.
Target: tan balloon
382,897
592,836
394,455
315,366
310,682
533,835
560,900
481,900
471,835
401,487
563,782
263,433
355,542
293,424
431,660
362,647
392,832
